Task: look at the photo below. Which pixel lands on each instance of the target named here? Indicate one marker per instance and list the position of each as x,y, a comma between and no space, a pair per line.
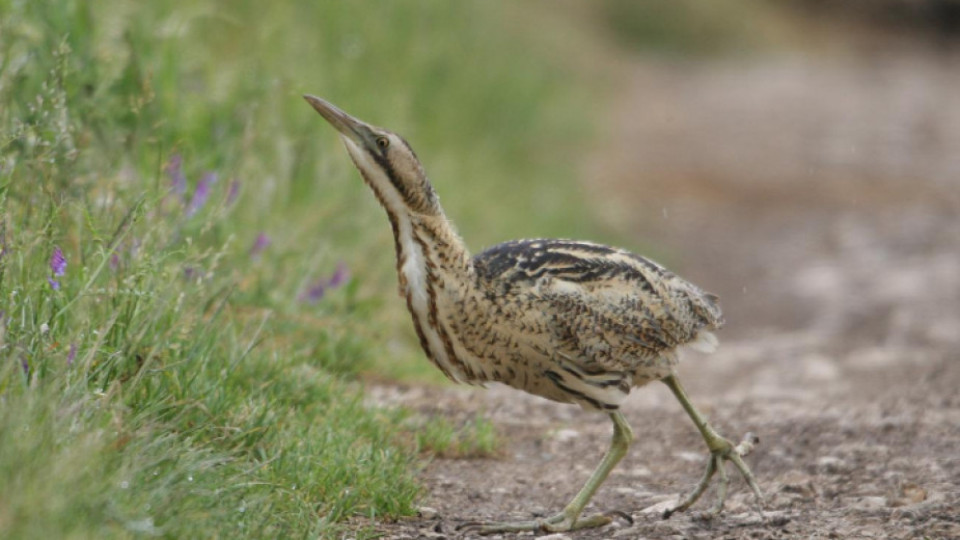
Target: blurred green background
196,369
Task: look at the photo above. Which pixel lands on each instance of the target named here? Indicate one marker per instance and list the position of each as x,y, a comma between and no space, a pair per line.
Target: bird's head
385,160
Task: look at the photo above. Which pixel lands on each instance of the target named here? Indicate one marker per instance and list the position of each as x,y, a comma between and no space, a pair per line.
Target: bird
574,322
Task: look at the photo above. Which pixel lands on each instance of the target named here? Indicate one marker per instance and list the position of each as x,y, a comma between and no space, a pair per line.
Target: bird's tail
705,342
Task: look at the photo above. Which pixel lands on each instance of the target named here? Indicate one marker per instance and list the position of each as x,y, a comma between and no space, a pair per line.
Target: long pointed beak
347,125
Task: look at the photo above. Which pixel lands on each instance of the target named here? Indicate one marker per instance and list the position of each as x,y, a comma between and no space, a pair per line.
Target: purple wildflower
318,288
314,292
189,272
233,191
174,169
58,264
114,261
340,276
261,243
25,364
72,354
202,193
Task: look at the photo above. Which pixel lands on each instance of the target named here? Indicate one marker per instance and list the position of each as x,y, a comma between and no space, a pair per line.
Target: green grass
175,384
440,437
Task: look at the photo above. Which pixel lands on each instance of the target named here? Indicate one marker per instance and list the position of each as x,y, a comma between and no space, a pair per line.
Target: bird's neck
426,246
435,273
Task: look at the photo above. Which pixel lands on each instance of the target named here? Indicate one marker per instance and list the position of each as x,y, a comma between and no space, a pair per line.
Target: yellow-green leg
569,519
720,450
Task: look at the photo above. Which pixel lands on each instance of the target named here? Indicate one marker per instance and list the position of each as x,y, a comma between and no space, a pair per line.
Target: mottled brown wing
617,307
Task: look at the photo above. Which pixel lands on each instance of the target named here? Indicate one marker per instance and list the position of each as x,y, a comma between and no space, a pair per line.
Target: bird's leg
720,450
569,519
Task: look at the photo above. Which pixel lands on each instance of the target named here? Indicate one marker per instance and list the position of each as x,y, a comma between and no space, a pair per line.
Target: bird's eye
383,142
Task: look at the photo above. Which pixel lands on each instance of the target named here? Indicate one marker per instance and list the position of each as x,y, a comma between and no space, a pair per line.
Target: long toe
555,524
724,451
749,479
712,464
735,455
484,528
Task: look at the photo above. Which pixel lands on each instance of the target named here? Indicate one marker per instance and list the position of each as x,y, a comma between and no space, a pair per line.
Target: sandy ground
821,200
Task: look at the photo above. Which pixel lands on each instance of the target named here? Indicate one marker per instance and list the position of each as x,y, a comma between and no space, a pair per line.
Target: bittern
574,322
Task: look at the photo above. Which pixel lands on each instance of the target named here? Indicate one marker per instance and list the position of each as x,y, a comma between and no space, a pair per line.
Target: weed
440,437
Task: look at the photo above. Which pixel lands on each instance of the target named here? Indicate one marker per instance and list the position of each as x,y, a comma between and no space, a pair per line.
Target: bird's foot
561,522
722,450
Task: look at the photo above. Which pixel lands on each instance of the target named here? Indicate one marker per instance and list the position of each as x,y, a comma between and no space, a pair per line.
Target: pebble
659,507
427,513
869,503
913,494
555,536
831,464
795,481
566,435
692,457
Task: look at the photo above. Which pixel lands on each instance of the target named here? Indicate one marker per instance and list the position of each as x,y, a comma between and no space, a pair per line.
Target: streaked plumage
596,320
573,322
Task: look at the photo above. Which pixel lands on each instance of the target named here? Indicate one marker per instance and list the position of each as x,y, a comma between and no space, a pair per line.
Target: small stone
427,513
693,457
661,506
869,503
913,494
797,482
628,532
556,536
831,464
775,518
566,435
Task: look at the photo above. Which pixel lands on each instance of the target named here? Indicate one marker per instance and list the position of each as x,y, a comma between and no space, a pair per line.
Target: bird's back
591,320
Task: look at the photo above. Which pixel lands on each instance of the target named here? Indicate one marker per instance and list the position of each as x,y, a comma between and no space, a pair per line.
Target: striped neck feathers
430,254
424,238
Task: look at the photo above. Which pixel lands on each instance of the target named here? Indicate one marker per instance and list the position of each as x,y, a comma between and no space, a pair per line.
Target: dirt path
821,200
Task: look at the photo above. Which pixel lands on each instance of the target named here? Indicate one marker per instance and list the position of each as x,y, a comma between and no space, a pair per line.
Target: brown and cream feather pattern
597,320
570,321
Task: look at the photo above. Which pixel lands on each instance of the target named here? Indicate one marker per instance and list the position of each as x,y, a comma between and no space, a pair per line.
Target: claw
484,528
720,450
715,465
622,515
465,527
721,487
570,518
554,524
